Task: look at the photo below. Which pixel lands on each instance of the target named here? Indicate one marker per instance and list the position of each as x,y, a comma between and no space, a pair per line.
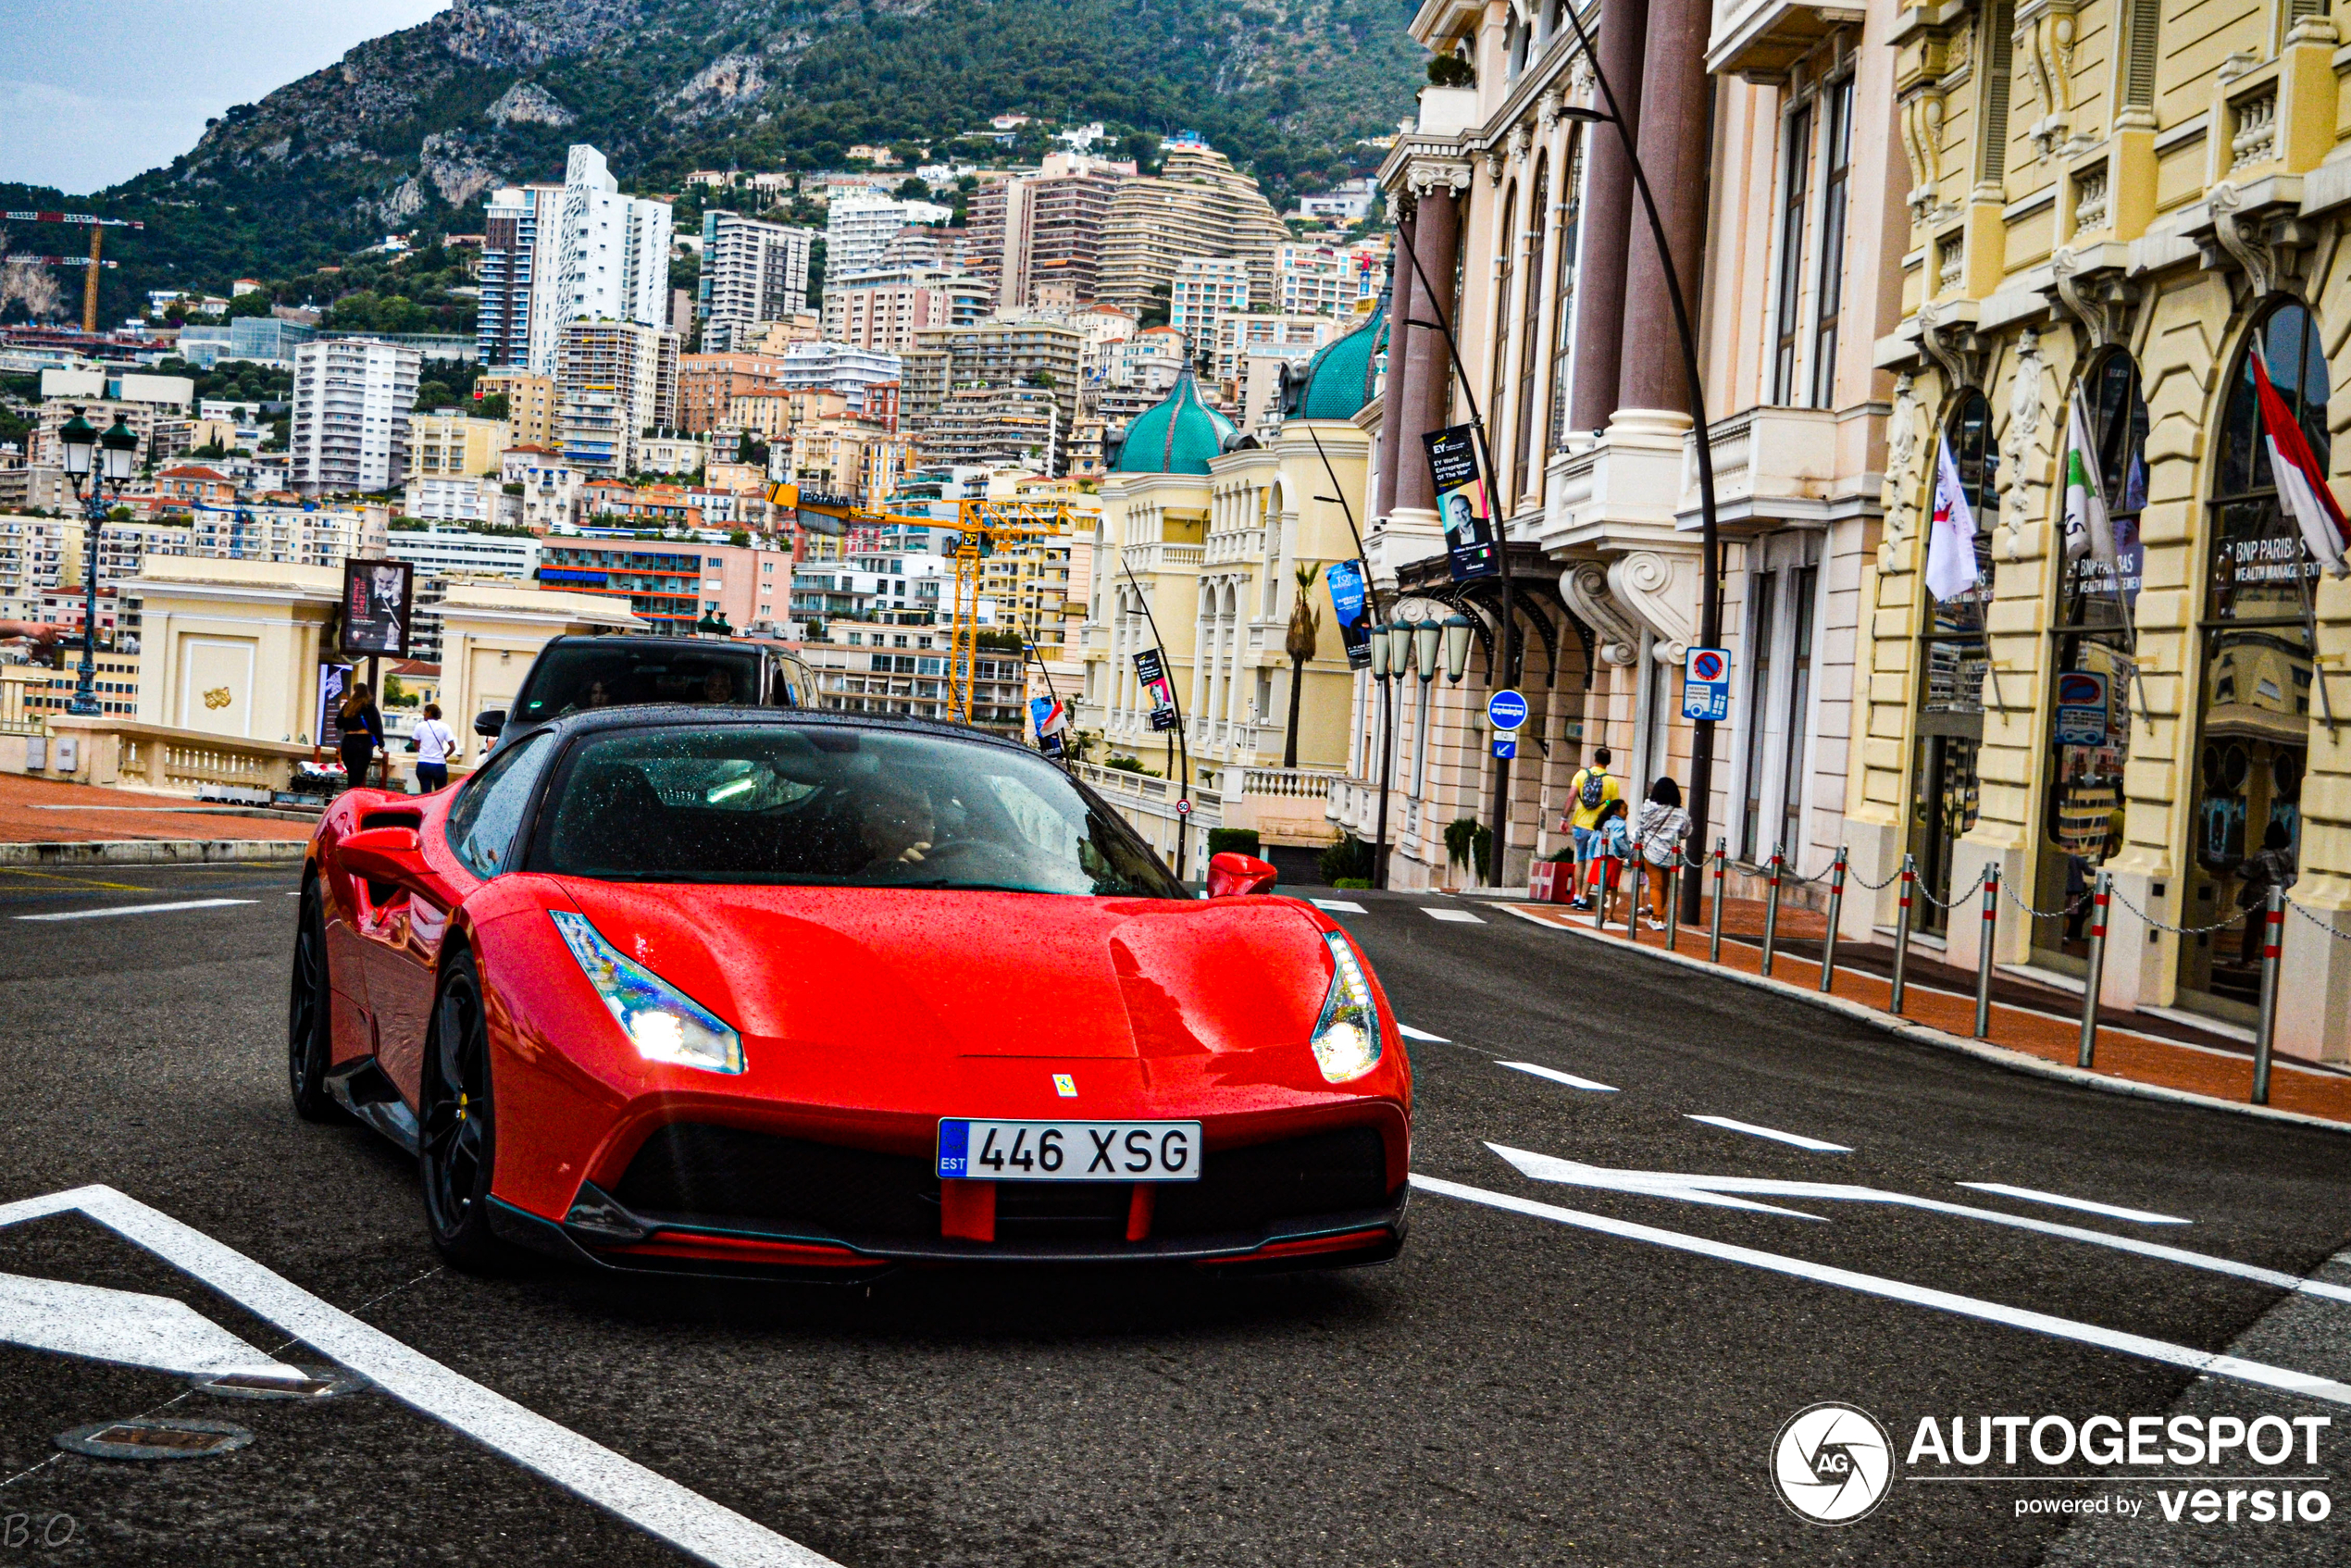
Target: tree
1305,631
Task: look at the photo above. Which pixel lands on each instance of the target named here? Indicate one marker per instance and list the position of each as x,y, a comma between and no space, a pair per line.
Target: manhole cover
318,1385
146,1436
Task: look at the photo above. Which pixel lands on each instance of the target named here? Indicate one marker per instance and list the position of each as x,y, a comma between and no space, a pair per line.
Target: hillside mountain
410,129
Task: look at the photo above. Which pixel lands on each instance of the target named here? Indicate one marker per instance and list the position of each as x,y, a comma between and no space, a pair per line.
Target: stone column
1428,368
1673,130
1401,295
1607,219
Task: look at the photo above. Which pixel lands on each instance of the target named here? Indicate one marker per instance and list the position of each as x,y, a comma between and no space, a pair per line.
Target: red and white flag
2302,485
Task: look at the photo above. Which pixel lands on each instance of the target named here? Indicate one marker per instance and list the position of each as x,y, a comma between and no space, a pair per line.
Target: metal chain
2010,894
2178,931
2329,930
1957,899
1891,878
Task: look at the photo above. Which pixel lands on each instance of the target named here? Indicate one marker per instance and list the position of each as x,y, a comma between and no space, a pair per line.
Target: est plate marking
976,1150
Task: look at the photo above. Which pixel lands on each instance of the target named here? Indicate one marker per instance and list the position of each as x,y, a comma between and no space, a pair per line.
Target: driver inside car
897,827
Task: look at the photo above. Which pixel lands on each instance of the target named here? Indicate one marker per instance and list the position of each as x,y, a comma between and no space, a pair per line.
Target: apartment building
995,427
350,426
881,313
672,585
1022,351
709,383
509,251
551,487
615,380
1206,291
530,402
447,443
753,273
554,255
859,224
1198,205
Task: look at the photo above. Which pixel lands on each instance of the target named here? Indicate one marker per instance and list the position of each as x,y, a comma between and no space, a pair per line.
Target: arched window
2094,674
1523,450
1946,791
2255,693
1505,251
1563,305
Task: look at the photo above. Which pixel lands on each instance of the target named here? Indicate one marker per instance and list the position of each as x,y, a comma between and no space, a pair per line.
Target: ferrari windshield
835,805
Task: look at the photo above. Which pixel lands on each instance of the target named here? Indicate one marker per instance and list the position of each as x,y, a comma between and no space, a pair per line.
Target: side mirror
382,854
490,722
1231,874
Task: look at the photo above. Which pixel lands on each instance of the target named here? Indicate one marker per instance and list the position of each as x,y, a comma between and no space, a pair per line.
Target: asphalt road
1520,1388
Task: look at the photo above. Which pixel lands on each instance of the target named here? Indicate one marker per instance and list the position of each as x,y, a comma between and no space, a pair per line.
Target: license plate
971,1151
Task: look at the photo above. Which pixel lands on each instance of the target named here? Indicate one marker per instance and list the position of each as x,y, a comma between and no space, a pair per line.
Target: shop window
2244,829
2095,672
1946,791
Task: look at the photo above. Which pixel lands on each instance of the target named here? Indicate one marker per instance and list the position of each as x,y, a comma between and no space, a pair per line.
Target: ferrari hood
906,973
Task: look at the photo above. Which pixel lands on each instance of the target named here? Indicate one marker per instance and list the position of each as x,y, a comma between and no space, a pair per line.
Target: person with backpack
1657,834
1592,790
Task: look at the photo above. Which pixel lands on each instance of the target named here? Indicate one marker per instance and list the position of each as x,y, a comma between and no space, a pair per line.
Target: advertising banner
1354,607
334,680
1461,502
376,598
1151,671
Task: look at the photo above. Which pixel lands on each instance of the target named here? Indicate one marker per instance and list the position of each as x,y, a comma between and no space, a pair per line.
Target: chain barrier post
2272,944
1836,913
1673,872
1599,891
1984,952
1772,910
1714,934
2095,978
1902,931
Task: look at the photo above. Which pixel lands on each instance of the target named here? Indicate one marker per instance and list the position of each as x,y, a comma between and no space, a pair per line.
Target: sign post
1706,684
1506,710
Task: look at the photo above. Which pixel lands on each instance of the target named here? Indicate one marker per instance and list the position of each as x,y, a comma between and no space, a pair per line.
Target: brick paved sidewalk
2020,1013
44,811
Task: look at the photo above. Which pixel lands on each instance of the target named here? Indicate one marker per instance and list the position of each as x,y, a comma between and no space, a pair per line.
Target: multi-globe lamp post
93,461
1408,647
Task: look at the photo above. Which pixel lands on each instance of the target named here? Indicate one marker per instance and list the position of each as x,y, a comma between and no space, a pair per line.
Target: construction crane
981,526
97,227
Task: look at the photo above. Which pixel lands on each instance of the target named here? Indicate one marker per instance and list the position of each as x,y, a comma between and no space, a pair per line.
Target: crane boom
97,227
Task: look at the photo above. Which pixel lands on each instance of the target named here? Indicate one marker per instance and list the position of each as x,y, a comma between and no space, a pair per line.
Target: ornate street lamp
94,460
1425,637
1457,640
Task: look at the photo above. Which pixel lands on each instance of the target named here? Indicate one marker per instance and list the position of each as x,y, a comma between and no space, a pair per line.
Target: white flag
1950,540
2088,529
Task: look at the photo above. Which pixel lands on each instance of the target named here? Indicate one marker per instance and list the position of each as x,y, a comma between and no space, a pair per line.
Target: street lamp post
1710,536
94,460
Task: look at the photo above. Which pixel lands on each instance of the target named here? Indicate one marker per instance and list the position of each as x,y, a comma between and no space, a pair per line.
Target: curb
1922,1034
154,852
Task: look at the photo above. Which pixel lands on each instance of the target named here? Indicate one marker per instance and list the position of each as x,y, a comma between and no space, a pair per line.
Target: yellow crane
97,227
981,526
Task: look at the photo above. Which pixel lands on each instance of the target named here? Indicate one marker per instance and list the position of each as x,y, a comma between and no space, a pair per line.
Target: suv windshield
830,805
615,671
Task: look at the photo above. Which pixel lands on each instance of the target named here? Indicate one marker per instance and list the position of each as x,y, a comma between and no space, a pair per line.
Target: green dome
1342,376
1177,437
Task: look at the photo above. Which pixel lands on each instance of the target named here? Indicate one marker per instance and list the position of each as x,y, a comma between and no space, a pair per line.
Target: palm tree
1305,629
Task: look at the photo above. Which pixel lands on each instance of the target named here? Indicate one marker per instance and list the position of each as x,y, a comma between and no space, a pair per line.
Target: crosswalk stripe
135,909
1814,1144
1570,1079
1459,916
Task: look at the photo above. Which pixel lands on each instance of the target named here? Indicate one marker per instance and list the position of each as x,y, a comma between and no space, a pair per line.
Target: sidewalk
2038,1021
43,820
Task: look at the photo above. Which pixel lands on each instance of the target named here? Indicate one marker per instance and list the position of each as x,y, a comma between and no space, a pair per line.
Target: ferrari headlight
662,1022
1346,1036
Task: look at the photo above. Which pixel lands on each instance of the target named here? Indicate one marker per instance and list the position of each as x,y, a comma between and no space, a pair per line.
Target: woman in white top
435,745
1657,831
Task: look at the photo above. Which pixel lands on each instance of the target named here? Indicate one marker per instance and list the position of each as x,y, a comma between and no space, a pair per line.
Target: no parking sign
1706,684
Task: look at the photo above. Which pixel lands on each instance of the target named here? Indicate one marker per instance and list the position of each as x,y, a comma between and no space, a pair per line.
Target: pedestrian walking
1657,833
1591,791
435,745
1611,851
363,733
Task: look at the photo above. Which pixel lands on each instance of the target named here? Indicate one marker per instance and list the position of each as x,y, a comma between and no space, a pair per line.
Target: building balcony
1774,468
1759,39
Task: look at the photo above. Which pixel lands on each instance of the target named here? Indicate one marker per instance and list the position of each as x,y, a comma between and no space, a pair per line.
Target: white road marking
1410,1033
651,1501
1459,916
1814,1144
135,909
2206,1362
125,1326
2033,1195
1570,1079
1713,1191
1337,906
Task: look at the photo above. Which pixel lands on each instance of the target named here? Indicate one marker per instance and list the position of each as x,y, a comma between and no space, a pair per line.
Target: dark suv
576,673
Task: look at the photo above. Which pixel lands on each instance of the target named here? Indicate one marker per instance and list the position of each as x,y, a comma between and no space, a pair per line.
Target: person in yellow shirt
1590,794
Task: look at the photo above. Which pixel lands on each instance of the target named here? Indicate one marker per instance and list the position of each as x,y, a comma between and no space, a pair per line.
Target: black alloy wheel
309,1022
459,1142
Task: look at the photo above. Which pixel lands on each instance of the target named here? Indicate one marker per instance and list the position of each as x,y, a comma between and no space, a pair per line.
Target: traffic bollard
1983,951
1599,889
1637,871
1902,931
1772,910
2095,976
2266,1027
1674,869
1714,936
1836,912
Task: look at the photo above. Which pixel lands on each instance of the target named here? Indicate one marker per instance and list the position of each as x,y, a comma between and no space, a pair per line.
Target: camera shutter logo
1833,1464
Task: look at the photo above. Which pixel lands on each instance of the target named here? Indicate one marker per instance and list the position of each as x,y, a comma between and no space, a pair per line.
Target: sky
90,94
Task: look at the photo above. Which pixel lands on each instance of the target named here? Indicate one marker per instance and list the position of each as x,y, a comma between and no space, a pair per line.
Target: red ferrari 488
766,993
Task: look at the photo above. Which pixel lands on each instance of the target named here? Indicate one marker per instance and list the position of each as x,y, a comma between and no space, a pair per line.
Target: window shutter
1999,65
